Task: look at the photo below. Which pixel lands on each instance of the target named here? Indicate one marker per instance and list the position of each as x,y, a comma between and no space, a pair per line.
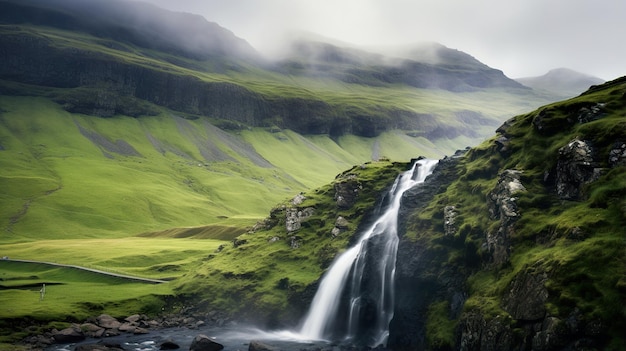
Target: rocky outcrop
502,206
294,217
347,188
617,155
575,167
449,221
526,296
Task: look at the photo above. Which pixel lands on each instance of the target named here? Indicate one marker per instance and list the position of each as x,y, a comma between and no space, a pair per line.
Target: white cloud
521,37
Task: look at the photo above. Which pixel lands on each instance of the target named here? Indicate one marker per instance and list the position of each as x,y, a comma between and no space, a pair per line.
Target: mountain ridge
562,81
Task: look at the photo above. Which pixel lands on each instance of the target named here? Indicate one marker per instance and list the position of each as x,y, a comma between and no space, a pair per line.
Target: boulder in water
204,343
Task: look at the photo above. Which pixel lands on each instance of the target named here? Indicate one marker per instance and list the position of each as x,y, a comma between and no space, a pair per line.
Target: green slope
574,246
71,176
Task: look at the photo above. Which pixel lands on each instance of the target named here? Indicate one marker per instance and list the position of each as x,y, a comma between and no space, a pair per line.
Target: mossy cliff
520,243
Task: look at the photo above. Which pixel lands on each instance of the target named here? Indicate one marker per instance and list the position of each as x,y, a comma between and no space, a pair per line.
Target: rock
68,335
169,345
295,242
139,330
92,330
526,296
134,318
298,199
99,347
238,242
204,343
341,223
273,240
575,168
502,205
107,322
126,327
474,333
591,113
449,218
295,216
617,155
259,346
347,189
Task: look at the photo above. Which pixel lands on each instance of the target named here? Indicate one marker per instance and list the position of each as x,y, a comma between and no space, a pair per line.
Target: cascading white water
346,272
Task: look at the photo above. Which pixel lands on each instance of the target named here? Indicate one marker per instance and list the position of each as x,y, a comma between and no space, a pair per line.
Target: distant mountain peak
564,82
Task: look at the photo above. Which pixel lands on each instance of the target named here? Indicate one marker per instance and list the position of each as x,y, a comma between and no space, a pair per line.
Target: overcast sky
521,37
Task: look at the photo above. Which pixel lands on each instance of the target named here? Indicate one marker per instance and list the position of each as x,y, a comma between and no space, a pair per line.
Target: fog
521,37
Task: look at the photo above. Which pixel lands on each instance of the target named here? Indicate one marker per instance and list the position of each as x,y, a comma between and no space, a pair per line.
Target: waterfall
365,314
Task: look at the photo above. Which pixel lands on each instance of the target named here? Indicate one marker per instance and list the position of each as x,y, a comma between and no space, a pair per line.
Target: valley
238,180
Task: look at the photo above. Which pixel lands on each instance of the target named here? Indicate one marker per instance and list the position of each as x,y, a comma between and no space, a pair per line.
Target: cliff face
519,244
103,85
104,58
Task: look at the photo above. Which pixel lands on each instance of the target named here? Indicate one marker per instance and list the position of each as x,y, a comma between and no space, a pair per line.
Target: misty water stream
347,308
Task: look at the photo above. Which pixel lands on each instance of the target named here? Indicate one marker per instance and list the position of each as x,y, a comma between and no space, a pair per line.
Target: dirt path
123,276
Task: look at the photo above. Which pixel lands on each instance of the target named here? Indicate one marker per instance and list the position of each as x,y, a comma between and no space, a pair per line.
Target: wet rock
107,322
135,318
169,345
68,335
259,346
92,330
204,343
99,347
575,168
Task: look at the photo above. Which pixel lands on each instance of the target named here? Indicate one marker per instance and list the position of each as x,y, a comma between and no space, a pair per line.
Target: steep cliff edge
520,245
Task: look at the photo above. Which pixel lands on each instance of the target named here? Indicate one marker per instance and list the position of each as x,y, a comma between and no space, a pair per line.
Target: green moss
440,330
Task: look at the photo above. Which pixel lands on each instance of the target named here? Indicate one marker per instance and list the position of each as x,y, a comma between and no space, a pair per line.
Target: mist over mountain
139,23
428,66
564,82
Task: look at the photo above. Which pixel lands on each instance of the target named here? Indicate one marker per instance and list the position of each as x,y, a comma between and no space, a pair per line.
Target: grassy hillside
121,157
75,176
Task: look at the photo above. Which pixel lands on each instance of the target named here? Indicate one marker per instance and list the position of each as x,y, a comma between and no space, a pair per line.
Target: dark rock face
575,168
526,296
502,205
617,155
475,333
419,282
